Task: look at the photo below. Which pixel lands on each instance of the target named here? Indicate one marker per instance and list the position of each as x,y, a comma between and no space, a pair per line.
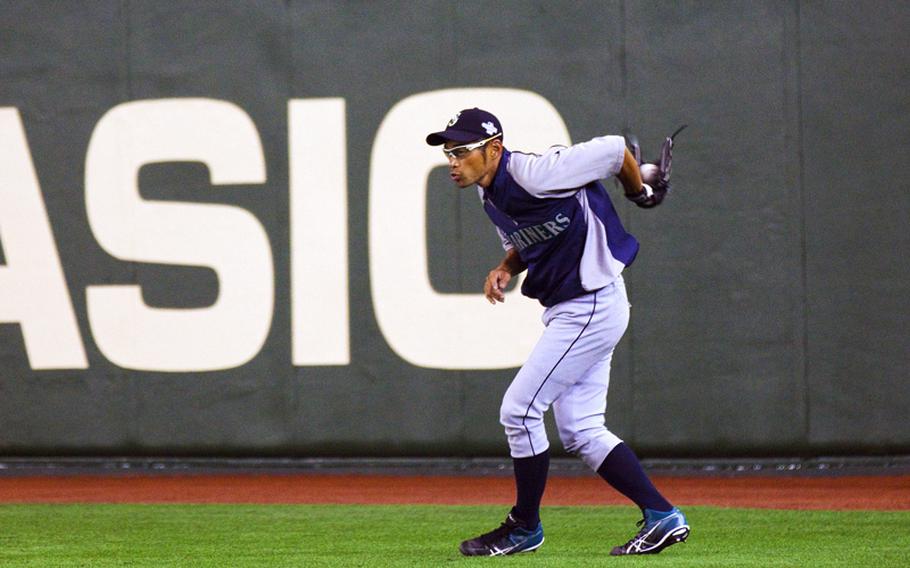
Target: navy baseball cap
469,125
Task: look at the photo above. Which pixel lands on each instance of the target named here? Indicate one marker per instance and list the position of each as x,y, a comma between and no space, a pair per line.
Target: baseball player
557,222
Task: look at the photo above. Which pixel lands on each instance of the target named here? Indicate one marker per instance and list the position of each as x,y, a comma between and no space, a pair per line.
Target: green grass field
324,535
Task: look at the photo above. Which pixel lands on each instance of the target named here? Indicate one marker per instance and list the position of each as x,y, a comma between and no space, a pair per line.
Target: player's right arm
630,175
498,278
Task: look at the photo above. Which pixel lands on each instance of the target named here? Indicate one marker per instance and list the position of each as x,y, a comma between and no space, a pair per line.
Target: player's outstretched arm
561,170
498,278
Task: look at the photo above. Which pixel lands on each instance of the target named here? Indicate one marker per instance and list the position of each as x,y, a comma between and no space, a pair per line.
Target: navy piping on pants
547,378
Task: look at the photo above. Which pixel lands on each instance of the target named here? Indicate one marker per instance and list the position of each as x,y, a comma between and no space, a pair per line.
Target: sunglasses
459,152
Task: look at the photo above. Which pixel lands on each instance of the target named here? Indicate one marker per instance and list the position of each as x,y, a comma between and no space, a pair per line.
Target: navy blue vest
549,233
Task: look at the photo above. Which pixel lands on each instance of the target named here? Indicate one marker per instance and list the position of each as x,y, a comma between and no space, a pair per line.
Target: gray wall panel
856,125
61,82
769,297
715,288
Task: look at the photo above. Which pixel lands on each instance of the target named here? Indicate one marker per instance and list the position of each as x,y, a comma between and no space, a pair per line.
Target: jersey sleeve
561,170
506,243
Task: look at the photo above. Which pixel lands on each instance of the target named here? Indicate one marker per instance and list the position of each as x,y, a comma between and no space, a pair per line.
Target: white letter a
33,291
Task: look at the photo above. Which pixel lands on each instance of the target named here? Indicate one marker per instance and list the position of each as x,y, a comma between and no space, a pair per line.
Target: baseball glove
654,175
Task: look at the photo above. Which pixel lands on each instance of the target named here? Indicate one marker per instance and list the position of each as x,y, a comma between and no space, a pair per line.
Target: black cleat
511,537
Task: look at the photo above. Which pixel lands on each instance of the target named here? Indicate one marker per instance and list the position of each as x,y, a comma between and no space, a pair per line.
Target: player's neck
486,180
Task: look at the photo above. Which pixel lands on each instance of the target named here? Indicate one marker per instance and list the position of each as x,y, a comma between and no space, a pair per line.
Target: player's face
471,164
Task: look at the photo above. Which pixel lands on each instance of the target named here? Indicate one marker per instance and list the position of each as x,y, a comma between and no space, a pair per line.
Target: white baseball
650,174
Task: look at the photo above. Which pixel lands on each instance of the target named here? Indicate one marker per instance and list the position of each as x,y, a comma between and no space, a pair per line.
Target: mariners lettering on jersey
527,236
564,228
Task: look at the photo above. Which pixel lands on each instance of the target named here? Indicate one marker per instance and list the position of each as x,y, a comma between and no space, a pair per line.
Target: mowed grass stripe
389,535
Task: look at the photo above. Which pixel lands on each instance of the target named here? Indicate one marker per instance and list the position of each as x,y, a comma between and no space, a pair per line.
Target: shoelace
636,540
497,534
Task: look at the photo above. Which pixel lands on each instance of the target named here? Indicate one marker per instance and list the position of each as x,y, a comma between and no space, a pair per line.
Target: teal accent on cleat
512,537
658,531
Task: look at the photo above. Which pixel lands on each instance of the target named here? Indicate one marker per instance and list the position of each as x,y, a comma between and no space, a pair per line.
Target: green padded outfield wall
221,232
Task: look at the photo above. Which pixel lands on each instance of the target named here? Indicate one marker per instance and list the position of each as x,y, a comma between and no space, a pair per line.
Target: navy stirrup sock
530,482
623,471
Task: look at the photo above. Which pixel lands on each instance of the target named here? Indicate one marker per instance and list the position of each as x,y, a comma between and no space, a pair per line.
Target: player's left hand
653,191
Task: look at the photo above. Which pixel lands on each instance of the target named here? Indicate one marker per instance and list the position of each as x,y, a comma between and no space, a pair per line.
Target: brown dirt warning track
834,493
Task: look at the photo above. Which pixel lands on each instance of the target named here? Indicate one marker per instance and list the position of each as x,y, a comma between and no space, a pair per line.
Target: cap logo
490,128
454,119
